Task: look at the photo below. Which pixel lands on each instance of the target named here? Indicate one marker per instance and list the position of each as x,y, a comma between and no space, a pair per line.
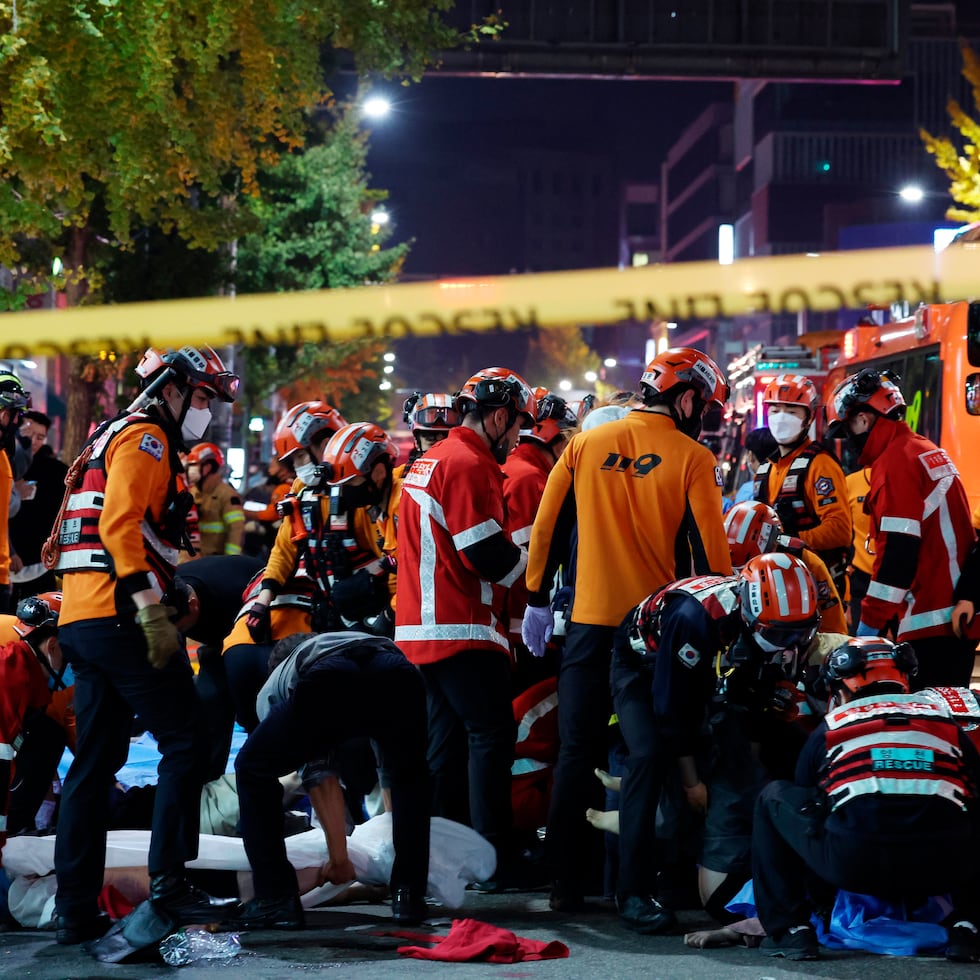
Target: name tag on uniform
420,473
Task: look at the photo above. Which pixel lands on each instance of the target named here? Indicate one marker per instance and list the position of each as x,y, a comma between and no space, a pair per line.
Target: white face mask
307,472
195,424
785,428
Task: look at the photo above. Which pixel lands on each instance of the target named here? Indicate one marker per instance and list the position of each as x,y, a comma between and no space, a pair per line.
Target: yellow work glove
162,638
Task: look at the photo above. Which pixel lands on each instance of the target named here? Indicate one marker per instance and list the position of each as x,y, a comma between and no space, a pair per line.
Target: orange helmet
301,423
869,389
866,660
555,417
497,388
354,450
752,529
792,389
432,412
686,366
778,600
205,452
36,611
194,367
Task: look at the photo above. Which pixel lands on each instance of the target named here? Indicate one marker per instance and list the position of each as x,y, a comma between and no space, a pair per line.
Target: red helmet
870,389
303,422
866,660
686,366
195,367
792,389
555,417
778,600
354,450
752,529
36,611
498,388
432,412
205,452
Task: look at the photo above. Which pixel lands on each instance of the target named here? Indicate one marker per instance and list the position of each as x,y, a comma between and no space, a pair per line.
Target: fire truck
936,353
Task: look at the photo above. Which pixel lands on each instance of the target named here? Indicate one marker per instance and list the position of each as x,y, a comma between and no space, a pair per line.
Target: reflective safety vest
899,745
81,548
791,495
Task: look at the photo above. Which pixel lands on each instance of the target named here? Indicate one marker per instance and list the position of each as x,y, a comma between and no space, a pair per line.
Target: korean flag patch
688,655
719,479
152,445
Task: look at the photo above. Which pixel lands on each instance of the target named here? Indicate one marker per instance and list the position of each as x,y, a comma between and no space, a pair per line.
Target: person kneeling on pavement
326,689
884,803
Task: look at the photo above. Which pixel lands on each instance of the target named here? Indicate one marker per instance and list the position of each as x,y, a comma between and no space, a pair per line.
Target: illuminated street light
911,193
376,107
389,356
385,386
591,377
389,368
610,362
565,384
256,424
380,217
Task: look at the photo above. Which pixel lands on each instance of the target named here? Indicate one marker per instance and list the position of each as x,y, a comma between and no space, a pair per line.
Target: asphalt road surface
344,942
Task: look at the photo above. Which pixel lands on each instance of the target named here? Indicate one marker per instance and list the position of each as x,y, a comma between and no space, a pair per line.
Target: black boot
408,907
173,894
271,913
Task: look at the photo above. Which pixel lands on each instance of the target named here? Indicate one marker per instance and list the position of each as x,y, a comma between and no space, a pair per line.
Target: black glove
361,595
258,622
5,596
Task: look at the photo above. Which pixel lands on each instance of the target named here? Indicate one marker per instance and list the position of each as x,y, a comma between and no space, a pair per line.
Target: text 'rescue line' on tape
684,291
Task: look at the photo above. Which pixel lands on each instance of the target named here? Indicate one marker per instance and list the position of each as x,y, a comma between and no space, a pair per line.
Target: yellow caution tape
685,291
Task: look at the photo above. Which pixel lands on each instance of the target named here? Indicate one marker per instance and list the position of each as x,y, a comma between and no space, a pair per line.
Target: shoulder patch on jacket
824,486
938,464
420,473
152,445
719,479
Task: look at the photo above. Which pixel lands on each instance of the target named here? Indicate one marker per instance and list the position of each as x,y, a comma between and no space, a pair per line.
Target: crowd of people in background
548,618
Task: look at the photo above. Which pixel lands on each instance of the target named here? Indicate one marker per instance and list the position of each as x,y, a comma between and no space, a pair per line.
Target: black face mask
364,494
861,440
691,426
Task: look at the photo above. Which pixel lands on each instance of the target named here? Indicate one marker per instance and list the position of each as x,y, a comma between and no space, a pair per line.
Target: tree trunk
82,389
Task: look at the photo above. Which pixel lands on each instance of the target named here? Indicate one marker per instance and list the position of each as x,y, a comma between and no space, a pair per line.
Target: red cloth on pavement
112,900
471,940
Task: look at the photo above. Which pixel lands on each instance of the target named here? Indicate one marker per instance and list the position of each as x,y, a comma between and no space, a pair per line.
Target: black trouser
791,843
247,669
114,680
584,709
471,741
382,698
944,661
218,708
37,765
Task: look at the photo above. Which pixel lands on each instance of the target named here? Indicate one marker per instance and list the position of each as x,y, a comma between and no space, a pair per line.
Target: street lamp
591,377
912,193
565,384
610,362
379,216
376,107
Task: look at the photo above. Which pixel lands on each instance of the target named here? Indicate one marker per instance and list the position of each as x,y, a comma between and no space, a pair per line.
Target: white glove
537,627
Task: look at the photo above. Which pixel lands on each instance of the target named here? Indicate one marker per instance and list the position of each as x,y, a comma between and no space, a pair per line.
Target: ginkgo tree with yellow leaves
961,163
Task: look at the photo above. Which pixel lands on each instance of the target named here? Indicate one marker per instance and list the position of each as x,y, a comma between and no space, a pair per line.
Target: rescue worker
454,562
329,689
884,803
525,475
358,462
753,528
14,401
804,484
759,446
27,667
122,527
220,517
429,416
644,499
920,524
292,591
742,641
50,732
